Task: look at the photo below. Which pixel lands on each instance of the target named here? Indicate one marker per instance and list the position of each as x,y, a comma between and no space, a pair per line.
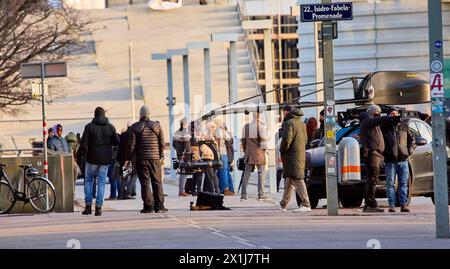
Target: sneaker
264,198
183,194
243,199
391,209
161,210
278,205
368,209
147,210
111,199
404,209
302,209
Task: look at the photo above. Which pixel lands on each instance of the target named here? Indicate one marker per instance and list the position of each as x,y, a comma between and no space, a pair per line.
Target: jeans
261,179
99,171
400,169
182,183
114,182
230,180
222,173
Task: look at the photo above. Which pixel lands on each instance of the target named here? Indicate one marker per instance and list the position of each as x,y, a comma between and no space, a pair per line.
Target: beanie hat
144,112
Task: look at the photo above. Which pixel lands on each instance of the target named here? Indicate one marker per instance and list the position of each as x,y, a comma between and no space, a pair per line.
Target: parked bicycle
38,191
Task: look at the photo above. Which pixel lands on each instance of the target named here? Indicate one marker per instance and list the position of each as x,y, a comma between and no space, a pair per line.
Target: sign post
43,70
170,102
328,13
438,118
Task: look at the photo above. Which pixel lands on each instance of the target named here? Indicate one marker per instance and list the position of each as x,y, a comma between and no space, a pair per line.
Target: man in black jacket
400,145
96,145
147,144
373,143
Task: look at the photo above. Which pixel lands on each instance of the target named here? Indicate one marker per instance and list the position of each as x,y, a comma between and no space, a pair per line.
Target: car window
413,128
424,132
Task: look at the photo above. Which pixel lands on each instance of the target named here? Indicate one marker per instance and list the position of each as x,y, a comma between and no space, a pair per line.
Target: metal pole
44,121
268,73
330,118
233,97
207,67
171,116
187,100
131,77
438,119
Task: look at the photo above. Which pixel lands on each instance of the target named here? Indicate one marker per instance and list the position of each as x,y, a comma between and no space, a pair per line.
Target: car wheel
313,200
349,201
409,192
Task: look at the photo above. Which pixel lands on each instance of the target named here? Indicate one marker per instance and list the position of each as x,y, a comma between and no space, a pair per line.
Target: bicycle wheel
7,199
41,195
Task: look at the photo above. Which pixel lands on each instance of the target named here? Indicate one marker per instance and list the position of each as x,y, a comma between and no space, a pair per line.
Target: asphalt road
250,224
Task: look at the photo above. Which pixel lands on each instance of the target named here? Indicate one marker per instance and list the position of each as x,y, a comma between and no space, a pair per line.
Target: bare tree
34,30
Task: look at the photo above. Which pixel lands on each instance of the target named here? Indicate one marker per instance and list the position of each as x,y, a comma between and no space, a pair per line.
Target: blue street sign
327,12
438,44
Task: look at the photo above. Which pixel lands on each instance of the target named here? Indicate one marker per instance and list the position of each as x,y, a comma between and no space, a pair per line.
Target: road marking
218,232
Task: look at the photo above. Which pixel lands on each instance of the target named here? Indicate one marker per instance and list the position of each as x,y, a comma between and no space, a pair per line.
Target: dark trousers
197,179
373,173
149,173
279,177
211,183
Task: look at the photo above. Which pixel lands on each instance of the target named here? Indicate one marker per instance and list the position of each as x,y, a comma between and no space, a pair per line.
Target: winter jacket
146,140
371,136
98,138
181,141
293,145
58,144
254,143
399,142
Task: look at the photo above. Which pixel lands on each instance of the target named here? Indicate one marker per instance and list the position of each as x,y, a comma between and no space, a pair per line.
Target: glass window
413,128
424,132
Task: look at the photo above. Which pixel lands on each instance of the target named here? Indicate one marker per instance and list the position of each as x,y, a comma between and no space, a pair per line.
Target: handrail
253,53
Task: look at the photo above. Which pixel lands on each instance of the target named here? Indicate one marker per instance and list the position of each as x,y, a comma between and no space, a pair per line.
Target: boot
404,209
98,210
87,210
147,209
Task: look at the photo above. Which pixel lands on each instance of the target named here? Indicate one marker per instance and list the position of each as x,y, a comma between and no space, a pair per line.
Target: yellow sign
330,134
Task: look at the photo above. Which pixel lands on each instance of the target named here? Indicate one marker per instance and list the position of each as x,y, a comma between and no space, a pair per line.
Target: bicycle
39,191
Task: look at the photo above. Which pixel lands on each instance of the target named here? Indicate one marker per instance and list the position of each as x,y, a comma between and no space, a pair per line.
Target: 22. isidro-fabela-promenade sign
327,12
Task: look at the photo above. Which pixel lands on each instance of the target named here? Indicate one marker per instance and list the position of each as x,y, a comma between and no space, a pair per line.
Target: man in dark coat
373,145
147,144
399,145
96,144
293,155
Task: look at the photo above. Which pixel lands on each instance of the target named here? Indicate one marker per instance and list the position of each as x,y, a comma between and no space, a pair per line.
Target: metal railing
251,48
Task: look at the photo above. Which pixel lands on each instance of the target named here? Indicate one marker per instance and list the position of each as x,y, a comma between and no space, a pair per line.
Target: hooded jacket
59,144
98,138
293,145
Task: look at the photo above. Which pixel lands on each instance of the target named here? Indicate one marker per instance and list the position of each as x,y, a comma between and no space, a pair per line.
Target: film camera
201,156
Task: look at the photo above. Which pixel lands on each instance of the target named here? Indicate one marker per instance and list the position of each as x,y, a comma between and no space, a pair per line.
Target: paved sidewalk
250,224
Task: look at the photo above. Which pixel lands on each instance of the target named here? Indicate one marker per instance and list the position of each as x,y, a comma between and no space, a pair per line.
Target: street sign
436,85
326,12
36,90
51,70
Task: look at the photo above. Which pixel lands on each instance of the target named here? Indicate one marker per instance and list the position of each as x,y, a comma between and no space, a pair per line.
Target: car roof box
395,88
